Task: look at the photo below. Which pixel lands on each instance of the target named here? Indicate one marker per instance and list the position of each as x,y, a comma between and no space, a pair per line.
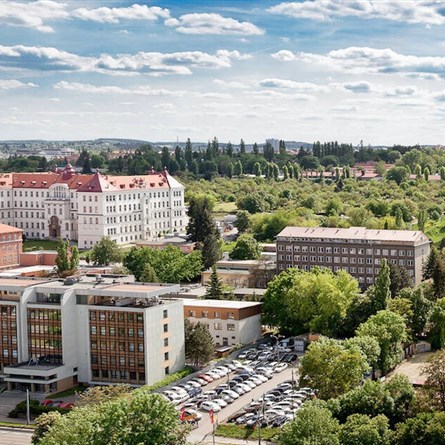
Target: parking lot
266,392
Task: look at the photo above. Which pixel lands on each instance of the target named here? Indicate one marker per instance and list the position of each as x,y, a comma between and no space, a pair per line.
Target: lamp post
260,419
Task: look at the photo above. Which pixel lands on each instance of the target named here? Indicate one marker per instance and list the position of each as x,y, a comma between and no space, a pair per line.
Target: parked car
222,403
206,377
208,405
243,419
192,413
228,392
280,367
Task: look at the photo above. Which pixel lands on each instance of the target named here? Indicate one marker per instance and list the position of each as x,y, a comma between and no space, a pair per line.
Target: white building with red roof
68,205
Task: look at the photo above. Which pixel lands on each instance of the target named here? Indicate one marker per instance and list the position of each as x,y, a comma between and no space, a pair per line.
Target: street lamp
260,419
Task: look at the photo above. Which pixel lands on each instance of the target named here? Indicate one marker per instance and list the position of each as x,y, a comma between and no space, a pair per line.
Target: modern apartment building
357,250
10,246
230,322
55,334
66,204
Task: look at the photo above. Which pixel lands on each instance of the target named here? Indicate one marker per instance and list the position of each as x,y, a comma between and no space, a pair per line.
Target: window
141,332
230,327
141,347
93,330
165,356
217,326
166,327
217,314
165,342
165,313
103,330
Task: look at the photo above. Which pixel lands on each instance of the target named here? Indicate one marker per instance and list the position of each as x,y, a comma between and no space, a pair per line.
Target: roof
89,183
223,304
20,282
354,233
4,228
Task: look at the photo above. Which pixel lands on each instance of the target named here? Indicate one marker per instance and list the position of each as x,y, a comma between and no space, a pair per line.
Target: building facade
229,322
68,205
356,250
10,246
97,330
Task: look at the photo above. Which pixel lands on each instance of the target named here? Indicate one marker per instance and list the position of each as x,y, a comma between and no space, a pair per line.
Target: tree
430,265
74,260
201,223
246,248
199,345
421,309
439,278
389,330
437,324
95,395
229,150
211,249
257,169
297,301
238,168
242,222
242,147
62,259
368,346
360,429
188,153
397,174
139,417
399,279
86,170
149,274
426,173
332,368
214,287
382,292
170,264
285,173
313,425
105,252
43,423
422,219
424,429
434,371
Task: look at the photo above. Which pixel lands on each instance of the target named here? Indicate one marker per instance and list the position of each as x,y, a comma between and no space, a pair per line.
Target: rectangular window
165,356
230,327
166,328
165,313
93,330
165,342
217,326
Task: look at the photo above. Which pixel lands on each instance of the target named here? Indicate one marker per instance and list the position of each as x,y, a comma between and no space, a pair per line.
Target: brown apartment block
10,246
357,250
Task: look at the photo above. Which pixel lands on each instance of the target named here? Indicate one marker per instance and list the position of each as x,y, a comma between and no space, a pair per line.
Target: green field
30,245
225,207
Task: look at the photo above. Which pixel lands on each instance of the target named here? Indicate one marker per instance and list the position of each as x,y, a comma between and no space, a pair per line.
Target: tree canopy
246,248
105,252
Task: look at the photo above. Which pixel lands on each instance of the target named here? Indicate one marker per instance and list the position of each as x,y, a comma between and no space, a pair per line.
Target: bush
35,409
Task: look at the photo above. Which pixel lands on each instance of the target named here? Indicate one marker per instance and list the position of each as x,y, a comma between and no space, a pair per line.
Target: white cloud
115,15
212,24
230,84
32,14
13,84
428,12
358,87
402,91
153,63
369,60
291,84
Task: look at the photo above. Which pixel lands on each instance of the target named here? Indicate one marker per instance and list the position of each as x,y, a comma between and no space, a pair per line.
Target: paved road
204,432
15,437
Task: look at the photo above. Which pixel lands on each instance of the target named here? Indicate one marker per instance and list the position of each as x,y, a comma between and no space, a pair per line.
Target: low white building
230,322
55,334
68,205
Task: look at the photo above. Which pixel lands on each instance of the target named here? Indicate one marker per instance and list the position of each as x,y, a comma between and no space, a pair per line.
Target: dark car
279,421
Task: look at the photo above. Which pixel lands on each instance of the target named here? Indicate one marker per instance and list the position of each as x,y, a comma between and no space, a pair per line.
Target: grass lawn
241,432
69,392
30,245
435,230
16,425
225,207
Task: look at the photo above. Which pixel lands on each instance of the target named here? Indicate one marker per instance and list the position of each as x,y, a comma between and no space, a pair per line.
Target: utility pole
28,413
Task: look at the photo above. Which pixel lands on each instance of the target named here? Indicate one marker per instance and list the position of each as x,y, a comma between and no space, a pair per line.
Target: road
15,437
203,432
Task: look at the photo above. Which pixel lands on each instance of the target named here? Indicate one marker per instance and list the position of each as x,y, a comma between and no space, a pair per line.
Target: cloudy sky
349,70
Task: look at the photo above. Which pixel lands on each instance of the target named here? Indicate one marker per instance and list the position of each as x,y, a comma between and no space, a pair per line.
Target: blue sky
348,70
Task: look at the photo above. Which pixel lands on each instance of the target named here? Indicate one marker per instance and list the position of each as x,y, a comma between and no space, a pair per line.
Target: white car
255,379
262,378
192,414
246,388
208,405
222,403
228,392
239,389
178,389
249,383
209,394
231,366
214,375
174,397
195,383
280,367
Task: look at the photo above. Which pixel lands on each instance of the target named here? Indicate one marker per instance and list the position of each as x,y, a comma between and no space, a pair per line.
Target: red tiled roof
4,228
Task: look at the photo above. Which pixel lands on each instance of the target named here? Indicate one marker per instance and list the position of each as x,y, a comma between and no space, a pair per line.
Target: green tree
246,248
74,260
360,429
434,371
242,222
105,252
138,418
437,324
332,368
422,219
382,292
201,223
442,173
95,395
62,259
424,429
297,301
242,147
439,278
426,173
389,330
149,274
86,169
43,423
188,154
238,168
397,174
399,279
214,289
430,265
257,169
285,172
421,309
313,425
368,346
211,249
199,345
169,264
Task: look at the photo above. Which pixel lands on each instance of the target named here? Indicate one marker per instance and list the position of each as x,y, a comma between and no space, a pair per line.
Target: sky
345,70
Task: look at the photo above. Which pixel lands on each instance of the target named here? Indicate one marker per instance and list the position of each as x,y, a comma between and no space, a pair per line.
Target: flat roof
354,233
20,282
223,304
